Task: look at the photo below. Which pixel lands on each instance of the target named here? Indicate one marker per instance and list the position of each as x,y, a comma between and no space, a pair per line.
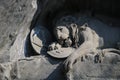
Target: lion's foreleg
84,49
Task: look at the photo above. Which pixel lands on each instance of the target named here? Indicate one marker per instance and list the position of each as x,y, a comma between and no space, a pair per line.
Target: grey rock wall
17,16
34,68
108,69
46,68
15,19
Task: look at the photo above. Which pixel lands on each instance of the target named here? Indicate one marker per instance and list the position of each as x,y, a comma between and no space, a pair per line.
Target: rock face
40,39
17,16
107,70
34,68
17,50
15,19
44,68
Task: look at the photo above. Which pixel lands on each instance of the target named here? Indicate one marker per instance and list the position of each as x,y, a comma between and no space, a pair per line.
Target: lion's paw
54,46
99,58
69,62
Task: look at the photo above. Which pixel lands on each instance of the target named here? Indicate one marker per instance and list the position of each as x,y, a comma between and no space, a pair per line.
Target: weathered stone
118,45
8,71
108,69
43,68
15,18
61,53
33,68
40,38
17,50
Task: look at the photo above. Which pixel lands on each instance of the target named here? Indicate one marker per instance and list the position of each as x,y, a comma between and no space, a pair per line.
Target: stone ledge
106,70
47,68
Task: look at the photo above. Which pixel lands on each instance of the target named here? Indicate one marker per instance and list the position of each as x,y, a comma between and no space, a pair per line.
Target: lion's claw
54,46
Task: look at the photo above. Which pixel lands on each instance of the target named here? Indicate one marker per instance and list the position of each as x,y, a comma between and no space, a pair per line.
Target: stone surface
17,51
24,13
15,18
33,68
61,53
54,9
44,68
40,39
108,69
100,24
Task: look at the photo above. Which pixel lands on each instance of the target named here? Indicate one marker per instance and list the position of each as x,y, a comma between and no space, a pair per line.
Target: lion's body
90,43
110,34
89,39
89,35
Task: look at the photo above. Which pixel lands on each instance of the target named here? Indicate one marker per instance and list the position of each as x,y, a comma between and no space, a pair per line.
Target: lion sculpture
84,39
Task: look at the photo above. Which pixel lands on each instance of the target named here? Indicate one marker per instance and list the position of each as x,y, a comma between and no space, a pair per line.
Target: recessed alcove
55,9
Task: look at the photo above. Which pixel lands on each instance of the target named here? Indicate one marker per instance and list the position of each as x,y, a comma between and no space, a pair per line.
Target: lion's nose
60,41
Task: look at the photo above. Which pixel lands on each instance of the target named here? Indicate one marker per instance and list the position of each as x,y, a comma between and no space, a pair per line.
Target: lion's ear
86,24
83,27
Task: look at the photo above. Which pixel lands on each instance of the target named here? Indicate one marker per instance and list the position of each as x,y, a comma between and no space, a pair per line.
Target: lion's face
66,30
62,36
